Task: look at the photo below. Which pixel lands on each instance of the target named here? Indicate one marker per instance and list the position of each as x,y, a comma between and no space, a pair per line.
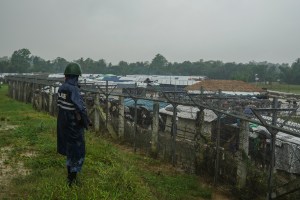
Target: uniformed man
71,121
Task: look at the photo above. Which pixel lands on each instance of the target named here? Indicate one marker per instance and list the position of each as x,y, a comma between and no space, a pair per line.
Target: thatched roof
224,85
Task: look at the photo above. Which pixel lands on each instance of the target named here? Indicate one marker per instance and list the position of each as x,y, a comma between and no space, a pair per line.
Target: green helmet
73,69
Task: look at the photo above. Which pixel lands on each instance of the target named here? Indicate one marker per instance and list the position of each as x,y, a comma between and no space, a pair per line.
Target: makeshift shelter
287,150
186,121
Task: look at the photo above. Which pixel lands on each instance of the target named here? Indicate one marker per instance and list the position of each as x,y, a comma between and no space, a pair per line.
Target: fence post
50,99
97,113
24,91
135,124
28,91
40,97
121,117
19,90
13,89
107,105
9,88
242,154
33,92
174,134
217,161
198,143
155,129
272,169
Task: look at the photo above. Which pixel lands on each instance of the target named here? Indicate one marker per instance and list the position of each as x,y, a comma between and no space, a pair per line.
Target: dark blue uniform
71,121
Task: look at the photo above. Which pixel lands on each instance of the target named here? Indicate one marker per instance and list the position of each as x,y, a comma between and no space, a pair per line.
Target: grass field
31,168
281,87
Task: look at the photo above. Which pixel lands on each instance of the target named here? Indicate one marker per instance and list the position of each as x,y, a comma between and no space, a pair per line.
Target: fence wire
198,133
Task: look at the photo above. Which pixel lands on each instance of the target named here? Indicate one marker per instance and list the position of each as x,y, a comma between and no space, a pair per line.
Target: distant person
294,104
71,121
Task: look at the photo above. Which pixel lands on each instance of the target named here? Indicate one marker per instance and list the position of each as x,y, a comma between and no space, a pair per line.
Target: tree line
22,61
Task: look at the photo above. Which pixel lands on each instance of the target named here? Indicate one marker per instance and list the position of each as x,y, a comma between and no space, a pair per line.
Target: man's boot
71,178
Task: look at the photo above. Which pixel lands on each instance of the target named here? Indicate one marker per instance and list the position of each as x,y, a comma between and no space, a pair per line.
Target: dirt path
6,171
9,166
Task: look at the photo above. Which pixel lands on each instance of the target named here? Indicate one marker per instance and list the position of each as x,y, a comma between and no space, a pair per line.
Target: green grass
108,172
281,87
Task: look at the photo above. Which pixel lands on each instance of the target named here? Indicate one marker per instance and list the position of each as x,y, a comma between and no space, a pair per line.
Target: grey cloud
135,30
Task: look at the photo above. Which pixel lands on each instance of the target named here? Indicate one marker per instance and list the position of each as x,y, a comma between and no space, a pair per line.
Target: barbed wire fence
249,144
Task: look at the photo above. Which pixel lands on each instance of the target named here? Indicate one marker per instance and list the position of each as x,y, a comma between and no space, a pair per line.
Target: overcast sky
136,30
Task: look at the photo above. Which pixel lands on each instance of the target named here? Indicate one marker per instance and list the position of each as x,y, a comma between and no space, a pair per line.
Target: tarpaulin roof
148,104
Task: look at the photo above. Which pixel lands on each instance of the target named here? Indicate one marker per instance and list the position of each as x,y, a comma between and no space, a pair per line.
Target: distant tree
123,68
228,69
285,74
20,60
159,61
158,64
101,66
88,65
216,69
4,66
59,64
272,73
41,65
290,75
295,72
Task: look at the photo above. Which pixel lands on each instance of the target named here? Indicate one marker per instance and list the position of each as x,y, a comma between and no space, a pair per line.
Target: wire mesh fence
250,144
